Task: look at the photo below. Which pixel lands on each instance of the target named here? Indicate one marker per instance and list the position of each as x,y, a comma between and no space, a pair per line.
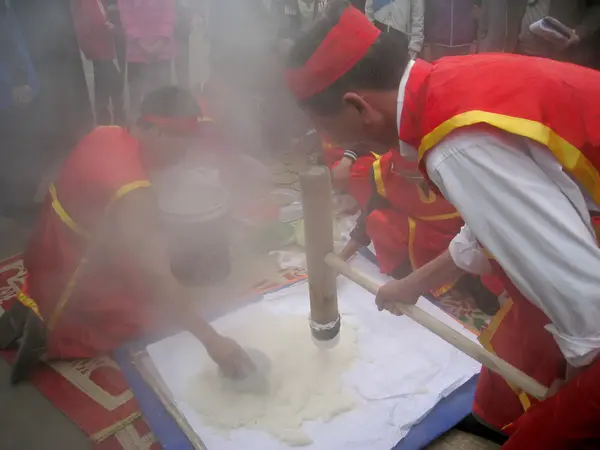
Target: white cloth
407,16
534,219
400,374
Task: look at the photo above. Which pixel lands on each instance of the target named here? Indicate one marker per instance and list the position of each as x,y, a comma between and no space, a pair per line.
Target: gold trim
453,215
427,199
485,339
27,301
124,190
379,183
412,228
569,156
71,284
64,216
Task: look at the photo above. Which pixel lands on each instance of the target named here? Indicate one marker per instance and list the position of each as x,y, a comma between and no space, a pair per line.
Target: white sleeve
369,12
535,231
468,254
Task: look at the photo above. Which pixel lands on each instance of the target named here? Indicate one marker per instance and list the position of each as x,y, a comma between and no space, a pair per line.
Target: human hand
573,40
230,357
23,94
404,291
350,249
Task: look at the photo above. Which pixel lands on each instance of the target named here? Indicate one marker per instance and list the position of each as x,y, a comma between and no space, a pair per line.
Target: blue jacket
15,64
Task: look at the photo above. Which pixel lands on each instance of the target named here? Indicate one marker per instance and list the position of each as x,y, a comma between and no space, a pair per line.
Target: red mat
92,393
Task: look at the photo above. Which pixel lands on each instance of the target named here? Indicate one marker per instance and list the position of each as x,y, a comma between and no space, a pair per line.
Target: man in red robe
513,143
99,271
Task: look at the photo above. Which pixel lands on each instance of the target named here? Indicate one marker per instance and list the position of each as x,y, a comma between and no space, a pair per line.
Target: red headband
342,48
185,125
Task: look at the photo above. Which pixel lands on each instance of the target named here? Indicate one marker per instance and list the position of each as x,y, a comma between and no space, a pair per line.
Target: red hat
343,47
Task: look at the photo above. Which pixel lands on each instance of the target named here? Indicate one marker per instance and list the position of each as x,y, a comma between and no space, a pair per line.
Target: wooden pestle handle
510,373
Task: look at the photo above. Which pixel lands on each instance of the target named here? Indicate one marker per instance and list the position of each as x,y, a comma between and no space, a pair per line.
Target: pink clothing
149,29
93,33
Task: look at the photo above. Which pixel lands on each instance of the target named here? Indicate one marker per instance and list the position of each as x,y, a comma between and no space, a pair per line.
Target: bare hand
23,95
350,249
341,174
403,291
573,40
230,357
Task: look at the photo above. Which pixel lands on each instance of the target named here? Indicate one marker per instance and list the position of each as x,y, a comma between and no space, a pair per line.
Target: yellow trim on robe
485,338
64,216
453,215
379,183
65,296
570,157
412,229
124,190
72,283
427,199
27,301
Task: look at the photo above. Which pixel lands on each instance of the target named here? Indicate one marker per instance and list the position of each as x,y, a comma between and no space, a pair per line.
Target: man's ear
358,103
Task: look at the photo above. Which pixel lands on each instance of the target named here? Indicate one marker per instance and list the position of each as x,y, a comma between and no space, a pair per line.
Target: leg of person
12,325
135,82
102,91
568,420
116,94
473,425
161,74
32,348
182,61
485,300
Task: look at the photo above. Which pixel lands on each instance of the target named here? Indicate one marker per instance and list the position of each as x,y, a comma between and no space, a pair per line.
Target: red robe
556,105
89,307
418,225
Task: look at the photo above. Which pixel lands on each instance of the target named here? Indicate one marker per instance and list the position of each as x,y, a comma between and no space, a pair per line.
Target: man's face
359,122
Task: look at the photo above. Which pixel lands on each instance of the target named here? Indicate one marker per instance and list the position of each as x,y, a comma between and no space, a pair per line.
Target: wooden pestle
317,203
510,373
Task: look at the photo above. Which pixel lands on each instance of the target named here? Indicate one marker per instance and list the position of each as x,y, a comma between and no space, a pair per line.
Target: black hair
170,101
380,69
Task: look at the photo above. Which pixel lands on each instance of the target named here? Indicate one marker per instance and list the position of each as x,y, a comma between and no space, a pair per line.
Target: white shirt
532,216
534,219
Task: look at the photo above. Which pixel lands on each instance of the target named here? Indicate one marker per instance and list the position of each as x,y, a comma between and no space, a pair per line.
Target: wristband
350,154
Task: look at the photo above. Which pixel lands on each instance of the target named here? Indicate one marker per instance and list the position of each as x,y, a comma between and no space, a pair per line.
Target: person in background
60,114
18,86
188,15
98,262
404,16
149,27
505,28
450,28
95,33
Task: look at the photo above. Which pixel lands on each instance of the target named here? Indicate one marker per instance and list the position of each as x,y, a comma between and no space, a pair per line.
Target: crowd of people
463,130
